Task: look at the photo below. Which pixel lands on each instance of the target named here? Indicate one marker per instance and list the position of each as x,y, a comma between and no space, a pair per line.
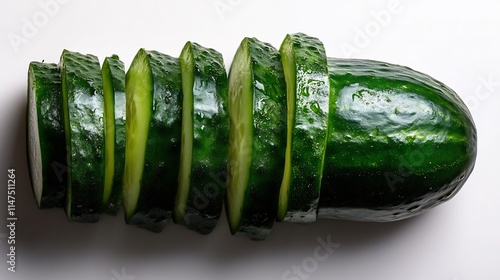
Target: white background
457,42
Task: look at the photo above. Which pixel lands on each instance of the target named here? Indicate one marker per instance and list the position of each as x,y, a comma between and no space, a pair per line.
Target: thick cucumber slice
399,142
153,133
306,73
45,133
113,77
83,107
205,132
257,109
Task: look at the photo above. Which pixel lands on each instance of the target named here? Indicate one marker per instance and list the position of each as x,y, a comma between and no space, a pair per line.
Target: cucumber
309,137
257,138
83,107
306,73
113,76
205,131
45,135
153,132
399,142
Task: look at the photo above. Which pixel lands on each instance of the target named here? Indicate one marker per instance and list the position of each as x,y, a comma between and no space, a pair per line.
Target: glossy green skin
161,166
210,133
269,141
399,142
44,87
83,107
116,70
309,128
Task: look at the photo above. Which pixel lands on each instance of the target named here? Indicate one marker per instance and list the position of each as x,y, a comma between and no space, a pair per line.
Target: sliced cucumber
83,107
257,110
306,73
153,134
45,135
205,132
113,76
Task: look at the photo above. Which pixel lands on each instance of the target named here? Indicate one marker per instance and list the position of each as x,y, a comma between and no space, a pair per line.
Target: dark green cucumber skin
269,140
211,132
161,165
309,135
45,79
117,74
399,142
85,135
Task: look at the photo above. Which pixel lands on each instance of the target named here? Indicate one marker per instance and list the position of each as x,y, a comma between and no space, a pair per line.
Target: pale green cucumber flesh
288,60
153,90
306,73
45,135
139,86
240,135
187,68
205,132
113,75
257,138
109,132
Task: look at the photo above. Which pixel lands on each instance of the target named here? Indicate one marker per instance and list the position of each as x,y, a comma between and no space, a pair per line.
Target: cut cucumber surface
83,107
113,76
45,135
399,142
205,132
153,133
306,73
257,141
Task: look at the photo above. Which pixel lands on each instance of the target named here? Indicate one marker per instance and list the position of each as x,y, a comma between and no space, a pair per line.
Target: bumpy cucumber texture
45,135
205,129
257,109
287,135
153,133
83,111
113,76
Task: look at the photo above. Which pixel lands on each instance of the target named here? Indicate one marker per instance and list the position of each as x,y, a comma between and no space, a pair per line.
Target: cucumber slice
83,107
113,76
257,141
205,129
306,73
153,133
45,135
